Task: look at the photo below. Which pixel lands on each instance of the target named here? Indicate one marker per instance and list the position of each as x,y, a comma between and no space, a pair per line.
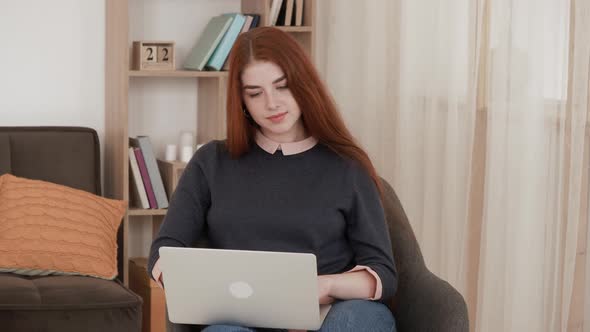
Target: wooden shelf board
176,73
147,212
295,28
175,164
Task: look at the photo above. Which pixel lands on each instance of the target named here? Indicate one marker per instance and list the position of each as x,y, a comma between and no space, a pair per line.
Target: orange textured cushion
46,228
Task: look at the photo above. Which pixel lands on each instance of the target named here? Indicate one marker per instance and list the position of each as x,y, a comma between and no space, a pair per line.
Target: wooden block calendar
153,55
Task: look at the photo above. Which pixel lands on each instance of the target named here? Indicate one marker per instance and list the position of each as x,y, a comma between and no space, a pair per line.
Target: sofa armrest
428,303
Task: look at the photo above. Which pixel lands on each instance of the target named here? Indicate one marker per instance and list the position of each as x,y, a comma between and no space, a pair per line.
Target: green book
208,41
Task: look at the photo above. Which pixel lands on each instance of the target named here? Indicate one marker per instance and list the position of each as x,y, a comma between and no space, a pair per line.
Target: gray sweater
311,202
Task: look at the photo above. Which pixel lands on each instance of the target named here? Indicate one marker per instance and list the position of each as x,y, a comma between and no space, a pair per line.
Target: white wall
52,63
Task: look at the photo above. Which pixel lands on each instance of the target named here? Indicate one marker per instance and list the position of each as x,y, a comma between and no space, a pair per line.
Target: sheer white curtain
476,112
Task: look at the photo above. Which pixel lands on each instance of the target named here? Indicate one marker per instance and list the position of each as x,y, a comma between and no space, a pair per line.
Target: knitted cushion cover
46,228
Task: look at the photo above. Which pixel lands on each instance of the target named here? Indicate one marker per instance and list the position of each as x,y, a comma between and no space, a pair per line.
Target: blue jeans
351,315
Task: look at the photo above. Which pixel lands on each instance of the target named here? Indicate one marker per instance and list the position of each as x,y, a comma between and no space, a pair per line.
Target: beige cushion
47,228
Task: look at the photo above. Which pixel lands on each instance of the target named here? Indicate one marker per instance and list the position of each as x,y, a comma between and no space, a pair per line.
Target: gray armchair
423,301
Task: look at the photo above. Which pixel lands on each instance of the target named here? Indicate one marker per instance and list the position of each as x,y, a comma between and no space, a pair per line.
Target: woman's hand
347,286
160,281
325,289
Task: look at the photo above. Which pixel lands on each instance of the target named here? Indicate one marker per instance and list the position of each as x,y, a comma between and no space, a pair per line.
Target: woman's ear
248,116
246,113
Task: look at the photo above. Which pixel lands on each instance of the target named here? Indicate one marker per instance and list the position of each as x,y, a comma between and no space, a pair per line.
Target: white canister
171,150
186,139
186,153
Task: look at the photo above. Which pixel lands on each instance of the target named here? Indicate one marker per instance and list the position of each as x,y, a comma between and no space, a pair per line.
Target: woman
288,178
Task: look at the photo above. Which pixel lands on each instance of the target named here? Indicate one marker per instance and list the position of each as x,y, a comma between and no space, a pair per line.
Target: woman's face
267,97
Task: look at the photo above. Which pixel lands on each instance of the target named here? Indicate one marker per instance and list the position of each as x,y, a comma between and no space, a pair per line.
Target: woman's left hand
324,288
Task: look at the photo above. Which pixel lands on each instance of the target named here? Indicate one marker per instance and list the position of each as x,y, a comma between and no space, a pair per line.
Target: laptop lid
238,287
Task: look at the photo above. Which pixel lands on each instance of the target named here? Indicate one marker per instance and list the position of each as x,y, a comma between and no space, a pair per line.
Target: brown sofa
68,156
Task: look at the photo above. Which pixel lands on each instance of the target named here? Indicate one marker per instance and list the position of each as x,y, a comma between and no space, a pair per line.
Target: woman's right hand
157,274
325,289
160,281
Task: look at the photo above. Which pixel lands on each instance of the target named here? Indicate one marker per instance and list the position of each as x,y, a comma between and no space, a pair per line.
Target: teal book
222,51
208,42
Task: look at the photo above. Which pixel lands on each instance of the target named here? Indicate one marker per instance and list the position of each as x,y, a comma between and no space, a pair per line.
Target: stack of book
147,188
212,49
286,13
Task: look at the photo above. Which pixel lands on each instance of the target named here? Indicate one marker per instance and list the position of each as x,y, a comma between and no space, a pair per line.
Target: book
152,167
222,51
136,183
145,177
208,42
255,21
298,12
274,11
247,24
282,11
289,12
245,28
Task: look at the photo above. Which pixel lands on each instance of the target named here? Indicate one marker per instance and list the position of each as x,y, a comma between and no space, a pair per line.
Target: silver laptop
246,288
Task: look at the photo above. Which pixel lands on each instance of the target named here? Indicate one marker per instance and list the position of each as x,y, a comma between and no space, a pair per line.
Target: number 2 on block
149,54
164,54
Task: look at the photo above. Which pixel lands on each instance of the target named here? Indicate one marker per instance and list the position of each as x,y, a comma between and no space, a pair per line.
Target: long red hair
318,109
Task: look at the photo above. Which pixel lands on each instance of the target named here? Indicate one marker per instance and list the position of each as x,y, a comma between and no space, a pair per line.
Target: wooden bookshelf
210,94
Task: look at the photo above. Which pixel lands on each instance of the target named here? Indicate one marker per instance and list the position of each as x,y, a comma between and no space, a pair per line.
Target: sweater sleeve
185,218
368,232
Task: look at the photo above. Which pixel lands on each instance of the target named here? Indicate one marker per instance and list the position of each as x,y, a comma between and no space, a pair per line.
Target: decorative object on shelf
186,153
187,138
171,172
187,146
153,55
171,154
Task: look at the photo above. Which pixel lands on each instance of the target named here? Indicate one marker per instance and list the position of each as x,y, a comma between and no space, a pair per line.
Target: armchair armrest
428,303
